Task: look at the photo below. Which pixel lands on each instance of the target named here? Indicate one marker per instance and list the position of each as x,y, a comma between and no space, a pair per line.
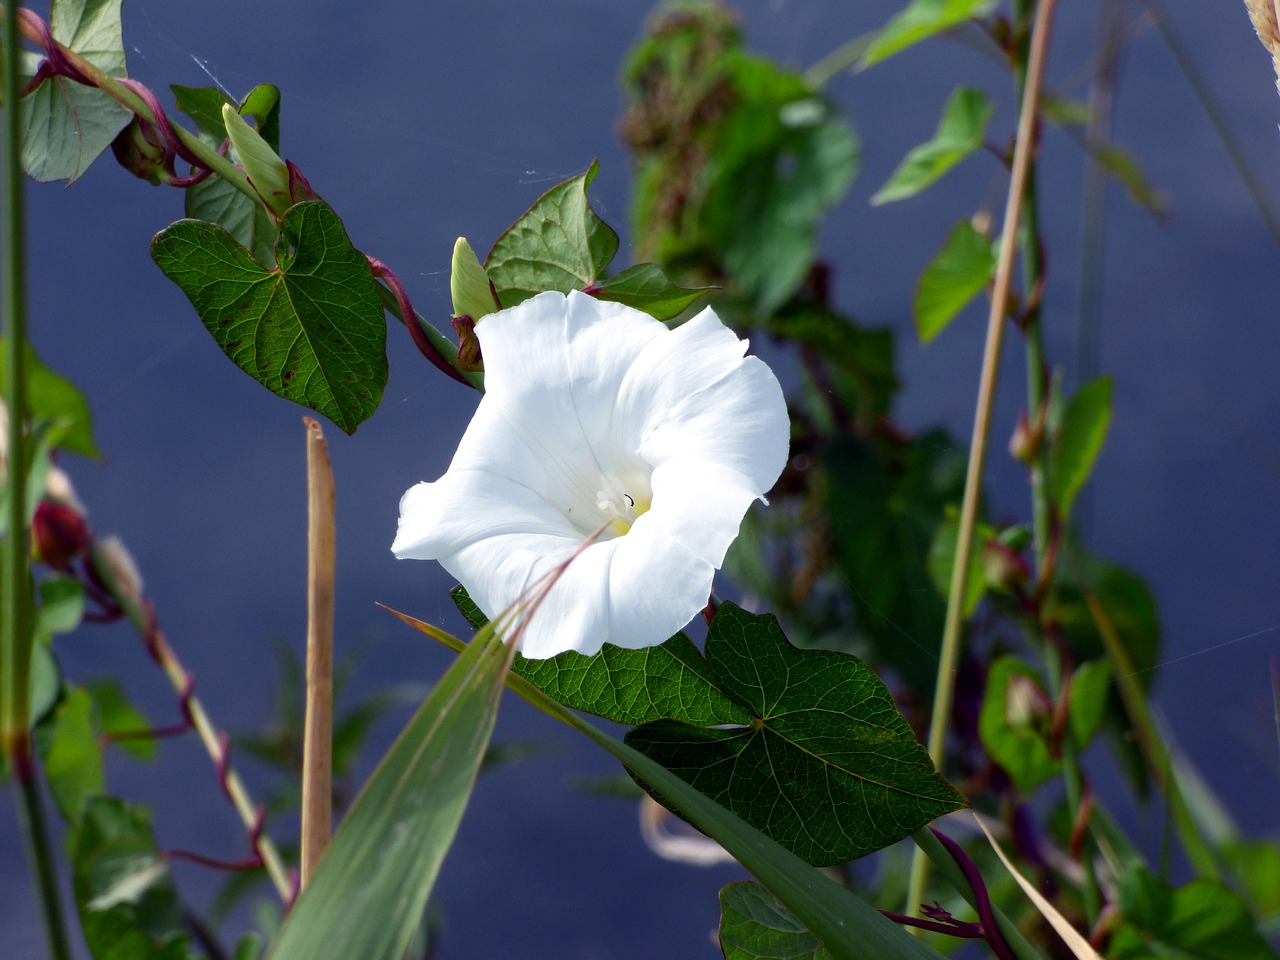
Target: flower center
619,509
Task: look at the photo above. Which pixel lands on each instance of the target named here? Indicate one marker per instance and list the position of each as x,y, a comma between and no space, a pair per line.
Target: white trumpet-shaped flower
599,419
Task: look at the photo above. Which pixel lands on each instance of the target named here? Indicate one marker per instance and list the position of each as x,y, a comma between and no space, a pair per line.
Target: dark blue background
420,122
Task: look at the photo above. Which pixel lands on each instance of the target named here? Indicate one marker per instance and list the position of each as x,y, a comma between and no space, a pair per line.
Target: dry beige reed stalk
1265,14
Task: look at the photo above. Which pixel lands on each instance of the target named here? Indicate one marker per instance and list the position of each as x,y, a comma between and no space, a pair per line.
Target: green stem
845,57
16,635
35,830
945,687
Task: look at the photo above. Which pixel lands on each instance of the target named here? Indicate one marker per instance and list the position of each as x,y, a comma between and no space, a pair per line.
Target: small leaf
1124,168
646,287
248,947
66,125
1079,441
958,273
959,133
68,744
216,200
51,396
46,683
919,21
557,244
116,714
129,907
627,686
367,895
61,606
1089,687
824,739
311,330
754,926
1013,722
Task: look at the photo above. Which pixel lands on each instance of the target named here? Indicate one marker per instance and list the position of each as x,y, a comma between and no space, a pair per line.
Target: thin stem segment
945,687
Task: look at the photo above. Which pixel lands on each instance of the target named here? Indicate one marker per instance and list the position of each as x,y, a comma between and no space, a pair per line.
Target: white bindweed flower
596,417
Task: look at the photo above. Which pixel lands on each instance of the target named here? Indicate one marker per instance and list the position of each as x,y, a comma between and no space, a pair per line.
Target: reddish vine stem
141,612
387,276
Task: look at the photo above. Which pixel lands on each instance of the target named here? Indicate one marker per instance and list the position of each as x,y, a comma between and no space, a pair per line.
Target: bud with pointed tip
59,534
262,165
472,291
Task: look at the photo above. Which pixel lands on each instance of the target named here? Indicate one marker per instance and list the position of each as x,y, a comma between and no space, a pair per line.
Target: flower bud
140,154
118,573
1025,442
469,358
59,534
1003,568
262,165
473,293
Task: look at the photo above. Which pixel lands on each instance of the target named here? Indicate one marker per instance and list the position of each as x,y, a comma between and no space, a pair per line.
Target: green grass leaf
958,273
921,20
646,287
754,926
959,133
66,125
310,330
557,244
1080,438
368,893
824,739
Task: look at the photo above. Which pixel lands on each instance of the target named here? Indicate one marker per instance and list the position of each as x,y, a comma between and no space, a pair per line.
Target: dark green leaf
754,926
824,739
627,686
367,895
66,125
859,360
883,510
53,397
311,330
920,20
958,273
1079,441
557,244
647,288
1014,721
1202,920
68,745
116,714
959,133
129,907
214,199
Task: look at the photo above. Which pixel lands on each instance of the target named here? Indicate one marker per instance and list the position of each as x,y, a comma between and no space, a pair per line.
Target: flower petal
700,504
694,394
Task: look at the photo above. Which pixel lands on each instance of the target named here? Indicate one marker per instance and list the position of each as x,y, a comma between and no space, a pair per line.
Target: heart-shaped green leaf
959,133
958,273
310,330
827,766
66,125
754,926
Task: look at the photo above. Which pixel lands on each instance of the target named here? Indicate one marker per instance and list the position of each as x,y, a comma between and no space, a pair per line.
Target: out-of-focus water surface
420,122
